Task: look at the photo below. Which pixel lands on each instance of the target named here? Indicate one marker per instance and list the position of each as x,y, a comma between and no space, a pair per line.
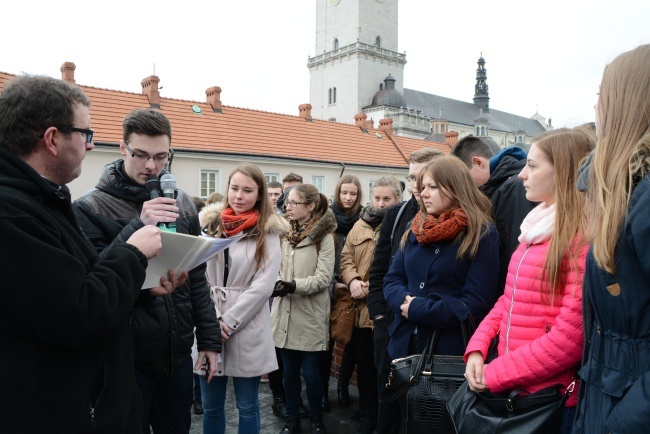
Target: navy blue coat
616,374
446,291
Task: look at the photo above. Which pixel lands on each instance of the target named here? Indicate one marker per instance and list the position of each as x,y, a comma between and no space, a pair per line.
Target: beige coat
242,303
356,259
301,320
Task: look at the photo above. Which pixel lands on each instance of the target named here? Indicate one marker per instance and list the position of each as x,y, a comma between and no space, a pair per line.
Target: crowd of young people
511,240
546,251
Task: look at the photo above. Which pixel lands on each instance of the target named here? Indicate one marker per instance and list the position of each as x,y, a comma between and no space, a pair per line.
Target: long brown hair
348,179
451,175
623,151
565,149
262,206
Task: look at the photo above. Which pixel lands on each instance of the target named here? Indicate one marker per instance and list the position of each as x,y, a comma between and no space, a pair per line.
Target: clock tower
356,48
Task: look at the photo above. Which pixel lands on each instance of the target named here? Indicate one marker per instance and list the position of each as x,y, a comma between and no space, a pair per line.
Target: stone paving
337,420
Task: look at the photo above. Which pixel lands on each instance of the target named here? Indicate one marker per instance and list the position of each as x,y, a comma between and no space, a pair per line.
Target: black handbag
426,382
510,412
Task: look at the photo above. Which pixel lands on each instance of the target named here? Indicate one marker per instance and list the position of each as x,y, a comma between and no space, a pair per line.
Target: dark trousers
170,396
309,361
348,362
361,348
389,414
197,386
275,377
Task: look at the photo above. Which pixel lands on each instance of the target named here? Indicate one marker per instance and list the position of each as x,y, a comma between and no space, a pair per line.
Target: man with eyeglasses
163,322
67,351
395,223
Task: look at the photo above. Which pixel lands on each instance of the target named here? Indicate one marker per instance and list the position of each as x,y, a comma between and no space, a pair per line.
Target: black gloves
283,287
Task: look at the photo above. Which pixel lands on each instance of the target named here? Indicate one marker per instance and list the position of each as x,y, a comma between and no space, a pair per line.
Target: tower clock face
335,2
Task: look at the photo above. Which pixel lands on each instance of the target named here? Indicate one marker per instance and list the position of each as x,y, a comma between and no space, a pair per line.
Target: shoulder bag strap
226,266
399,214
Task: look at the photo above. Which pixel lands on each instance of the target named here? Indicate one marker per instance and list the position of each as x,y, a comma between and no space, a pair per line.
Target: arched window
336,43
478,131
378,42
381,86
334,96
330,99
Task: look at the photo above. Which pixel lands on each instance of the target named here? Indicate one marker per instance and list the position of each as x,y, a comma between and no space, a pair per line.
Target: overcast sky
543,56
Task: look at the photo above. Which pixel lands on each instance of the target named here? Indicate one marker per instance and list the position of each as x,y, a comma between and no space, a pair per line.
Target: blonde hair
451,175
262,206
565,149
392,182
348,179
622,154
425,155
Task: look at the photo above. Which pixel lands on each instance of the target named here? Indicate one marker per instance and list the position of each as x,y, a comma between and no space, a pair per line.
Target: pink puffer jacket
539,345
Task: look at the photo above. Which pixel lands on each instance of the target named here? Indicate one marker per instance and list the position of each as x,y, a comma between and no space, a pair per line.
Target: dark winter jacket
509,204
446,291
390,235
163,327
616,373
67,352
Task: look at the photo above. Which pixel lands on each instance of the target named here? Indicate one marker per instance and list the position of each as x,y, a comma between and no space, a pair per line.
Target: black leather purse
426,382
509,412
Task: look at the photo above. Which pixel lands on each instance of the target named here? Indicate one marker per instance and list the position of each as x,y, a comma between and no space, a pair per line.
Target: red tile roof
252,132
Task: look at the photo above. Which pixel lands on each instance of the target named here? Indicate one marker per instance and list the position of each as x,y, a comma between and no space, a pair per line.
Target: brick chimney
370,125
150,88
360,120
67,72
386,125
213,97
451,138
304,111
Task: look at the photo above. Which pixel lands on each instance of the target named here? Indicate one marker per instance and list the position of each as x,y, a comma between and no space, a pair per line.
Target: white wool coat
243,301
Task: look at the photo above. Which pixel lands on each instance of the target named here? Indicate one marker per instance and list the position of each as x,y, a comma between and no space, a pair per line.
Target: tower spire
481,94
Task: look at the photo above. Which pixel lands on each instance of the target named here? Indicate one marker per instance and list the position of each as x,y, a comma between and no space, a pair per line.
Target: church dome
388,96
481,120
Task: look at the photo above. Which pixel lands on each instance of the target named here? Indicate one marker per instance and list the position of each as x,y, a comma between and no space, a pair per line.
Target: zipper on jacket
92,416
512,299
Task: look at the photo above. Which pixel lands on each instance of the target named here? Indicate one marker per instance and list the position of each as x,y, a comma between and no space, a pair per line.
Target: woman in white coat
240,292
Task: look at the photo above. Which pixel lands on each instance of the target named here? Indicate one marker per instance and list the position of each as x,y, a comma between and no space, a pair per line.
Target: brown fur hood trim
326,225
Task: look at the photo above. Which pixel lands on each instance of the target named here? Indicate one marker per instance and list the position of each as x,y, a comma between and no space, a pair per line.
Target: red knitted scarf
233,224
428,228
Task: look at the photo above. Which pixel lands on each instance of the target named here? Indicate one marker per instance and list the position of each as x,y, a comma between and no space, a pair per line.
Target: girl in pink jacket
539,316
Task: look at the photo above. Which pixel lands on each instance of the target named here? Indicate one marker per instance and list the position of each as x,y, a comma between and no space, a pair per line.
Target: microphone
168,186
152,185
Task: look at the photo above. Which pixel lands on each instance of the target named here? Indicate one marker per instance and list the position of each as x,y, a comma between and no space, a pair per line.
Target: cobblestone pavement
337,420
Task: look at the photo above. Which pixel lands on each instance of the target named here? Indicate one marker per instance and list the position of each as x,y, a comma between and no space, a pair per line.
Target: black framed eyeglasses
143,158
70,129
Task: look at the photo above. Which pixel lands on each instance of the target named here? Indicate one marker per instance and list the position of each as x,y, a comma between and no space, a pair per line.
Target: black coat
390,235
67,352
163,327
509,205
